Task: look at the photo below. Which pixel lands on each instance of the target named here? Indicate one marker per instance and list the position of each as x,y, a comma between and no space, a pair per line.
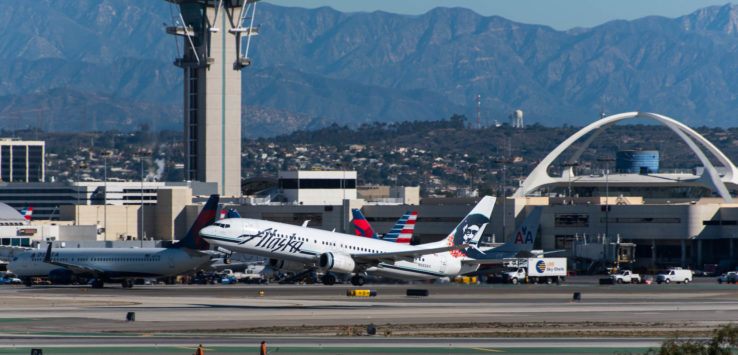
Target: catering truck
535,270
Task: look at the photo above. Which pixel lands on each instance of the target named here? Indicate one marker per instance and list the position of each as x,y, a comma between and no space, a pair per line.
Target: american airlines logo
524,236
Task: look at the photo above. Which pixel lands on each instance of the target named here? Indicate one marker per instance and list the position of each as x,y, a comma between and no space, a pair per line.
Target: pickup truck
729,277
625,276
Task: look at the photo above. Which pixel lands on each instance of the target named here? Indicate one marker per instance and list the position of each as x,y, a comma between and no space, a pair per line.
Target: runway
315,318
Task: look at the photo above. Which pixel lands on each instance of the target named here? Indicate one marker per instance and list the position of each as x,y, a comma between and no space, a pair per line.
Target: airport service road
177,315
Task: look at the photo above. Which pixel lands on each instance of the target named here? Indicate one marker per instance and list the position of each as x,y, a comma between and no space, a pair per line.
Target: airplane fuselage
305,245
113,262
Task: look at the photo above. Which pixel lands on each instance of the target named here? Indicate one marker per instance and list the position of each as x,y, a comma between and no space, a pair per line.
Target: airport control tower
213,38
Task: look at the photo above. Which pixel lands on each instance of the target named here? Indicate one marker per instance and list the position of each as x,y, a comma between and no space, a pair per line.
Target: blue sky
559,14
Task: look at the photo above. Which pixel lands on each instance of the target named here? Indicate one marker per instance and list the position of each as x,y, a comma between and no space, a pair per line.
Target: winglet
47,257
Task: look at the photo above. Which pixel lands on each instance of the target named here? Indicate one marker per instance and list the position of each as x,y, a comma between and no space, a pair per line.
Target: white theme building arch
539,176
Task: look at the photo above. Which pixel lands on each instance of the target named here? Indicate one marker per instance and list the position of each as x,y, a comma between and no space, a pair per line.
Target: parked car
729,277
9,279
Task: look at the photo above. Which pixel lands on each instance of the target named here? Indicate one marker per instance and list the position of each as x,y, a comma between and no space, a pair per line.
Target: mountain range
107,64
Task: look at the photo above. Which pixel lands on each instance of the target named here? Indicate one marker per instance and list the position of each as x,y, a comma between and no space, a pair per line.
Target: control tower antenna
479,114
211,59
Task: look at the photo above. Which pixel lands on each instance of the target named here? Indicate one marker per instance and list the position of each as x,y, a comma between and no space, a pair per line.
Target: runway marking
490,350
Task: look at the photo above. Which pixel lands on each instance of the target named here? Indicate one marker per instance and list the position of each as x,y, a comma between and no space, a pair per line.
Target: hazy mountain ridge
314,67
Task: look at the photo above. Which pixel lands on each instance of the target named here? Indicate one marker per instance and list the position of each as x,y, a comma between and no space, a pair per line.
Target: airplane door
443,265
171,262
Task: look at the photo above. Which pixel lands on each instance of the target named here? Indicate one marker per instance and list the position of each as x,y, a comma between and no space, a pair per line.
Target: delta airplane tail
192,239
402,232
361,225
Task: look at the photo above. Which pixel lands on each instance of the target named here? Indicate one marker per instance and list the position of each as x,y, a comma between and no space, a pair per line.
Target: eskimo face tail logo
541,266
465,233
524,236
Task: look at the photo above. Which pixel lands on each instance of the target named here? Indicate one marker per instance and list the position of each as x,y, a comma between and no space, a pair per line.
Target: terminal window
571,220
565,241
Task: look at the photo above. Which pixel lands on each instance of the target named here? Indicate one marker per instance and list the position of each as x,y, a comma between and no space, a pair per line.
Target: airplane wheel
358,280
98,283
28,282
126,283
329,279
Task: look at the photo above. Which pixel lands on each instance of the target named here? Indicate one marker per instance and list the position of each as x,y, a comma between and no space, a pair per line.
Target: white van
675,275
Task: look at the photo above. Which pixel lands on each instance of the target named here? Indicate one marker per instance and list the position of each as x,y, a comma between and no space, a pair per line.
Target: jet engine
60,276
286,265
336,262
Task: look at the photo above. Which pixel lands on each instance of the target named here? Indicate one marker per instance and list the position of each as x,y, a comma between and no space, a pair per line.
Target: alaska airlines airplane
119,264
401,232
298,247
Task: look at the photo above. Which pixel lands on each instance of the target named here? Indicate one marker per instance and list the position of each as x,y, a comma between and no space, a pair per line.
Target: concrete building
674,219
47,197
212,60
316,187
22,161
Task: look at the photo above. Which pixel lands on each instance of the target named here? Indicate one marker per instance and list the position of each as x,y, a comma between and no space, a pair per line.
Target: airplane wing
77,269
408,255
498,257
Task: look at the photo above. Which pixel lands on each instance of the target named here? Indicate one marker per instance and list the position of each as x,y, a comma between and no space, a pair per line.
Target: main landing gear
127,283
329,279
358,280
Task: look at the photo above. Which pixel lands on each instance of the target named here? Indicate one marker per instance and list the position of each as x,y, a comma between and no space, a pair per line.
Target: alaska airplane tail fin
361,225
470,228
192,239
402,232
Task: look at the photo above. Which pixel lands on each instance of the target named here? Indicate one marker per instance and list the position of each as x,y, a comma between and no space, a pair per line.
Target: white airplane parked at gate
293,248
64,265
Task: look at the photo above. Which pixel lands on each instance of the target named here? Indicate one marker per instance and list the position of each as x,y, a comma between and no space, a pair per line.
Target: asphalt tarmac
454,318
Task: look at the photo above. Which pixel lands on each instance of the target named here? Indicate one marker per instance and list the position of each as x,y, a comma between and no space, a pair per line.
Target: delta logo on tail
361,225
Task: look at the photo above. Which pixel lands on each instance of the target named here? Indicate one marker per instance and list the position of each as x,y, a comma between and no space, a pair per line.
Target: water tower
212,55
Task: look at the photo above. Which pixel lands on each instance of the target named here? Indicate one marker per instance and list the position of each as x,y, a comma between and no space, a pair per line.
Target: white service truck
535,270
625,277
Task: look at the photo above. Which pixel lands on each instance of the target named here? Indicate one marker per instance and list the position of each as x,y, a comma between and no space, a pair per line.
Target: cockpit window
222,225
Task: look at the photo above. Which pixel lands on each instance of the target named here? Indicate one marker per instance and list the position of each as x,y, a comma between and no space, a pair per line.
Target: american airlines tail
519,245
470,228
192,239
361,225
27,212
402,232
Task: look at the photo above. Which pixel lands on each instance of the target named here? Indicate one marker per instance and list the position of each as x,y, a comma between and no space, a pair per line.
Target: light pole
504,163
570,165
141,155
607,161
105,156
